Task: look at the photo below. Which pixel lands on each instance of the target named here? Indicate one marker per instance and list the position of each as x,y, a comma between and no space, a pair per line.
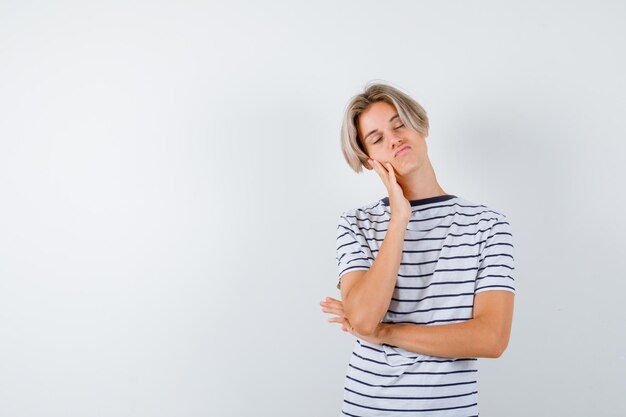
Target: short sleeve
495,263
350,254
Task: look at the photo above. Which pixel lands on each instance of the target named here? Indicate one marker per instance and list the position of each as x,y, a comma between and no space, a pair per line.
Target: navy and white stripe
453,249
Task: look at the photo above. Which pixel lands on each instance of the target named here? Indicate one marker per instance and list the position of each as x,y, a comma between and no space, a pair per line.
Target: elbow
499,346
367,329
364,326
493,339
361,323
495,352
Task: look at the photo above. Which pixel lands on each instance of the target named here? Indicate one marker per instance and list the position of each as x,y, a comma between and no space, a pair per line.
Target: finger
376,165
380,170
384,169
332,304
335,311
392,173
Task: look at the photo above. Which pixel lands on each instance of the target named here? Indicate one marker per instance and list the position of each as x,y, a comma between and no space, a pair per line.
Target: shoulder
366,212
365,219
486,216
487,209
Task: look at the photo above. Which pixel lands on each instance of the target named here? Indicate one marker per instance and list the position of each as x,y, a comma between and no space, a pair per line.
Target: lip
402,149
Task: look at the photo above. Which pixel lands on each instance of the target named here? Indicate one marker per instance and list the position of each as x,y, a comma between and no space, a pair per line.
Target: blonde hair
411,113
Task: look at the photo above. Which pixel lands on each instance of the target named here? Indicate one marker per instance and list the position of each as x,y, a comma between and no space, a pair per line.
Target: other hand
334,306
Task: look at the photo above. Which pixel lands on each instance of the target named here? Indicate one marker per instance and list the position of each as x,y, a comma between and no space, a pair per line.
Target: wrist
400,225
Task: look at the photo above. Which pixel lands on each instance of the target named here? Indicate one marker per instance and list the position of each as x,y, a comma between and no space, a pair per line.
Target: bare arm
486,335
366,294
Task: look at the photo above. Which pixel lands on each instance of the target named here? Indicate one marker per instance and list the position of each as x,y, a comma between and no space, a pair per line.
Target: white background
171,181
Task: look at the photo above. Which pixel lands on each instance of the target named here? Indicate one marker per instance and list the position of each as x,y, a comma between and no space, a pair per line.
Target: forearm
468,339
368,300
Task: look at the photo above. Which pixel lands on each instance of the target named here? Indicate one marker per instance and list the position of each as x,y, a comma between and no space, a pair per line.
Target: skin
413,170
410,176
407,176
334,306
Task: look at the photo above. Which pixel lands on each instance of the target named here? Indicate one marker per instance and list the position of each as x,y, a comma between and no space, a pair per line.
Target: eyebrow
374,131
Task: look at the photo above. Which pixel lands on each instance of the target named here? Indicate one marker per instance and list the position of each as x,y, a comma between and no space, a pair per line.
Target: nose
394,140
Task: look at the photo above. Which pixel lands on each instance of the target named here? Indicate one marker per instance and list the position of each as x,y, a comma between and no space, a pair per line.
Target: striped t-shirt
453,249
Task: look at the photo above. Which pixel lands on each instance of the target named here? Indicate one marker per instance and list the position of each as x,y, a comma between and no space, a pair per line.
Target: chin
404,169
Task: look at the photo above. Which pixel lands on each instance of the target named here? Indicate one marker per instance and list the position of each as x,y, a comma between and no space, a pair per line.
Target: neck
421,183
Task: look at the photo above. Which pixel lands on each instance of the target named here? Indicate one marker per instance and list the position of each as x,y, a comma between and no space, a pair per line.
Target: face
383,135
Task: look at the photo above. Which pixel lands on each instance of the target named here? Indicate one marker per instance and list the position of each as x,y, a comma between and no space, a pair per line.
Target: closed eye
396,128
